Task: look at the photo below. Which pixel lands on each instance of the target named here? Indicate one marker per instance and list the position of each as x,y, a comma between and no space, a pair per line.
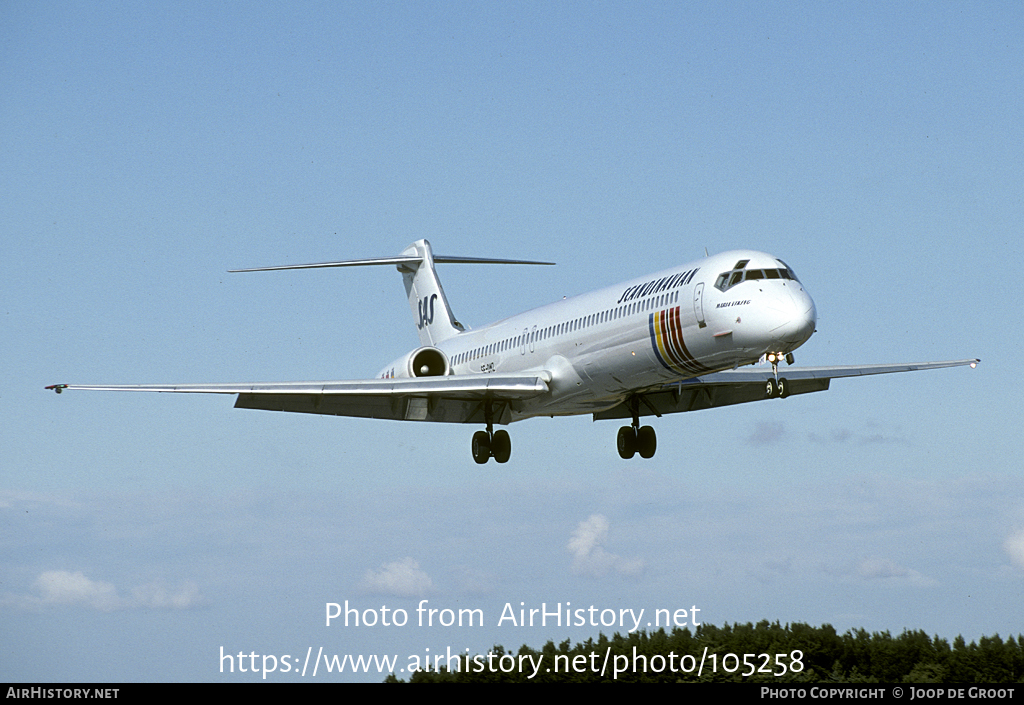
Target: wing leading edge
741,386
452,399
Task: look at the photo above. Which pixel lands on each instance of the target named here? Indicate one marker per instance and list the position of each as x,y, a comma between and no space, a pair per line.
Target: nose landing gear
777,388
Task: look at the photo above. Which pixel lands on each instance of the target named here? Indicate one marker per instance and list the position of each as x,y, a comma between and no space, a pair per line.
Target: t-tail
430,309
434,319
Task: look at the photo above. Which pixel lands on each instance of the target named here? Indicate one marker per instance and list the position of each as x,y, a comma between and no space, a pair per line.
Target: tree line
763,653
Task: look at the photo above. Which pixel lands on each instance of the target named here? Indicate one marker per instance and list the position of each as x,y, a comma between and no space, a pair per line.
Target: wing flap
435,408
691,397
453,399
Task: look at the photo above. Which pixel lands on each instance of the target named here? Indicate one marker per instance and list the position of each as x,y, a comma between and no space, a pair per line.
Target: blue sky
149,148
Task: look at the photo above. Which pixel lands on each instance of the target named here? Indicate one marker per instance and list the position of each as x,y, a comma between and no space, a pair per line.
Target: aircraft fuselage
717,313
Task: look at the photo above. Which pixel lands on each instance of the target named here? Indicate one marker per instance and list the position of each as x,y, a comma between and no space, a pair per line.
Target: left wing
746,385
453,398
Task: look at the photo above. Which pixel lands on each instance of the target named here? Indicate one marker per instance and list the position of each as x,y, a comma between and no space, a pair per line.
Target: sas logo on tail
426,311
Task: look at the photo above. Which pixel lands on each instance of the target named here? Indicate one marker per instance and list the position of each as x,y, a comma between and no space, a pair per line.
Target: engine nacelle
424,362
428,362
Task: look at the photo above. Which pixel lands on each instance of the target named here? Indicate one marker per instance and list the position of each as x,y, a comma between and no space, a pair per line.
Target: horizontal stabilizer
400,260
434,319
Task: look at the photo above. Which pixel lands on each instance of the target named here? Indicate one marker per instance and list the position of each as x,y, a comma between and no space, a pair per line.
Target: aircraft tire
771,389
626,442
501,446
646,442
783,388
481,447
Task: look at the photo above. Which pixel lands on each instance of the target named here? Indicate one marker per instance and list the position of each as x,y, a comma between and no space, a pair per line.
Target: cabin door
698,304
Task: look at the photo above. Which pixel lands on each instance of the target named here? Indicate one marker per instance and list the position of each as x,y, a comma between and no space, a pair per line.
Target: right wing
740,386
452,398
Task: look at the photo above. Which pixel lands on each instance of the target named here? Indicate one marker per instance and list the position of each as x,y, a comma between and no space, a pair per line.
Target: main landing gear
636,438
490,443
633,439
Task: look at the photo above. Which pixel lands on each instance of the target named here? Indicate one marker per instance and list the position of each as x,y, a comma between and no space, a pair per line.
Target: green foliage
765,652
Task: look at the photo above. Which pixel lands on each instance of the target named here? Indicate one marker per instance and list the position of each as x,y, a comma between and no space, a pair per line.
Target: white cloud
589,556
1014,547
402,578
64,587
880,569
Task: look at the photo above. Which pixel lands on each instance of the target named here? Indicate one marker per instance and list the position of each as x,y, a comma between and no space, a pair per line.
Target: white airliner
676,340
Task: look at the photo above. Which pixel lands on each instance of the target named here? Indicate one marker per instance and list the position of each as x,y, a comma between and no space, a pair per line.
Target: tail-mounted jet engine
426,362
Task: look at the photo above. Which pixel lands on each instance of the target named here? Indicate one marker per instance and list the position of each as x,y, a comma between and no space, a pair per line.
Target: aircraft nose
795,317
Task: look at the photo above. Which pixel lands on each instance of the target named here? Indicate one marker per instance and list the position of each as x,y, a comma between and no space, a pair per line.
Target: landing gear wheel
482,447
501,446
776,389
626,442
646,442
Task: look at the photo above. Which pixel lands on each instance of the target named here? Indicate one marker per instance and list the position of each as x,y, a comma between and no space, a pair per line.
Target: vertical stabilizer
429,305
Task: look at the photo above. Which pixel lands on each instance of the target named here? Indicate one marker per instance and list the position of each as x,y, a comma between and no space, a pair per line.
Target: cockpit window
727,280
792,274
